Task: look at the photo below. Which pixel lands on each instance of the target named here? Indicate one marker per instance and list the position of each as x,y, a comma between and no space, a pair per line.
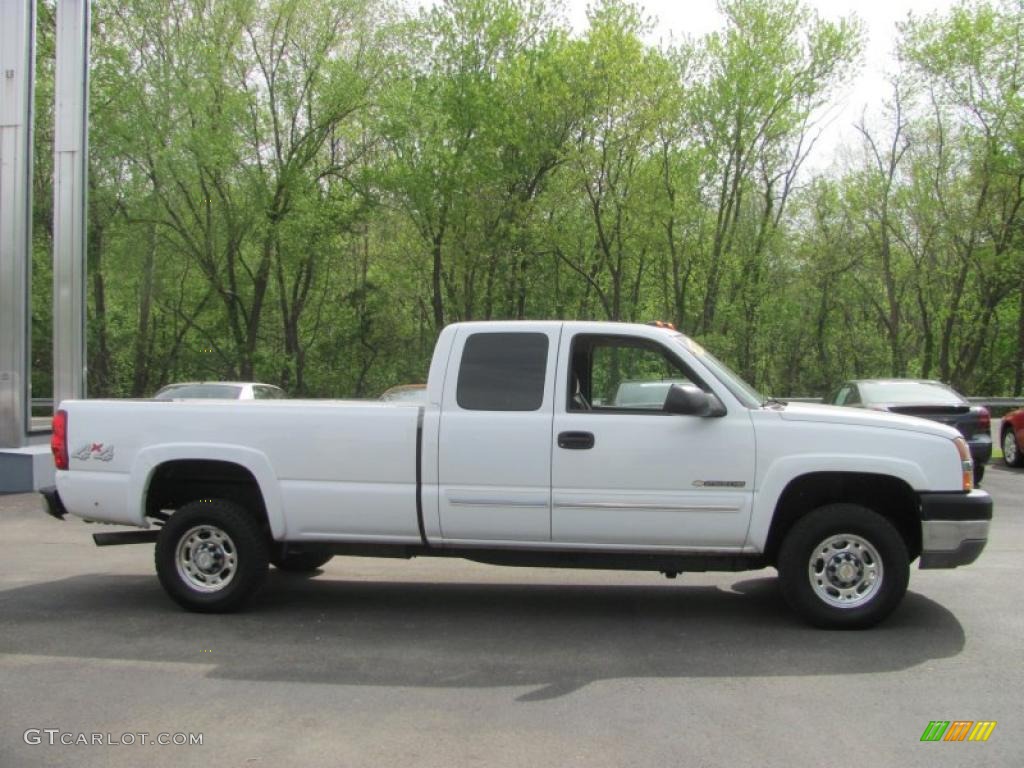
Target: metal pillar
17,58
71,112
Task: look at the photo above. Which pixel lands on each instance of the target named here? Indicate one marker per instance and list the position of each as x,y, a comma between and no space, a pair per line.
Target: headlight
966,463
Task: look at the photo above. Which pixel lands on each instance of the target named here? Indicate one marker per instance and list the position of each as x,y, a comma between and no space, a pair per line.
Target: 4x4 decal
97,451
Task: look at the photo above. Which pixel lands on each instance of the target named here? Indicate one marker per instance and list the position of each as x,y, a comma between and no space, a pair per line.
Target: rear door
494,447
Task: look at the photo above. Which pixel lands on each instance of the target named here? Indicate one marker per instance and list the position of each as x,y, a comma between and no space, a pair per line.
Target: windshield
909,393
198,392
742,391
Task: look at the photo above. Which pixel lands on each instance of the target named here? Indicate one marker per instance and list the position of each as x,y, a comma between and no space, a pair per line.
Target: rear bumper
54,506
954,528
981,449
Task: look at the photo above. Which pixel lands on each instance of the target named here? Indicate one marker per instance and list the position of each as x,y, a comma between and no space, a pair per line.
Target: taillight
59,440
984,421
966,464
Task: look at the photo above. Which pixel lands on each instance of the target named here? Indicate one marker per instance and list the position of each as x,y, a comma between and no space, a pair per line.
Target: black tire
979,473
836,521
1013,457
300,562
233,539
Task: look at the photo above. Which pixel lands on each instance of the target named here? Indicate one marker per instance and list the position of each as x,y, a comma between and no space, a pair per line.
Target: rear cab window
502,372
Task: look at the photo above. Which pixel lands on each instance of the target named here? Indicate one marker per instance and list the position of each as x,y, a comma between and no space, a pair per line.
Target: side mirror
689,400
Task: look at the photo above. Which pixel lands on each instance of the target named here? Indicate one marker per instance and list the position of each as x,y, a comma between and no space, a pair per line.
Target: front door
625,472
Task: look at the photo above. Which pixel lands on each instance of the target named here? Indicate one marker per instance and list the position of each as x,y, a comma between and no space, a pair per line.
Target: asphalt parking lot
446,663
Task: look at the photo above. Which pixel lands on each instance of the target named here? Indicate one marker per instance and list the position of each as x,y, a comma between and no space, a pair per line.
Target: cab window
502,372
621,374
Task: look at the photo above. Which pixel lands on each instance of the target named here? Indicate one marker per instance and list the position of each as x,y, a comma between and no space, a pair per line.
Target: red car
1011,437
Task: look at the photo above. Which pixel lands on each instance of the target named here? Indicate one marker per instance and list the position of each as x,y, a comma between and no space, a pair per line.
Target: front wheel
843,566
211,556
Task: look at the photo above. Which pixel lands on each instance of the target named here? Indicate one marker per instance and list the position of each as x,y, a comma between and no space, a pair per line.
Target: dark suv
928,400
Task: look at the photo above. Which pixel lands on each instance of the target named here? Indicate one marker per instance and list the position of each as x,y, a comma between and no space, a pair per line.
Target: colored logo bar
958,730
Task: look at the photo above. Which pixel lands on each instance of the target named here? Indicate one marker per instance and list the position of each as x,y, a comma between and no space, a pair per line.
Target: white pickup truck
556,444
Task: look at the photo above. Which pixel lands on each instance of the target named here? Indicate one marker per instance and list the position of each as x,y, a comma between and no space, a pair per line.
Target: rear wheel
1011,451
300,562
211,556
843,566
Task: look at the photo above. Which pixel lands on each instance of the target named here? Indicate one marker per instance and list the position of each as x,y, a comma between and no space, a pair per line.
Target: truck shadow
553,639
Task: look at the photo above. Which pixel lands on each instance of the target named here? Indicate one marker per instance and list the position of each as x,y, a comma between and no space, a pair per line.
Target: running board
125,537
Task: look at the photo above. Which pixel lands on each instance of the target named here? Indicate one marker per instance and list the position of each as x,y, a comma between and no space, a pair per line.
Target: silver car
220,390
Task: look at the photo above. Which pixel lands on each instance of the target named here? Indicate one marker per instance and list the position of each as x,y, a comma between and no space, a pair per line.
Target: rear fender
254,461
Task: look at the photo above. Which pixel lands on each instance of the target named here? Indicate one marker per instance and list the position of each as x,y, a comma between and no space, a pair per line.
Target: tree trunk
140,367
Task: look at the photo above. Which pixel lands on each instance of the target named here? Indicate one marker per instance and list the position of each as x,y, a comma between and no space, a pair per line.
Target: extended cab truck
521,456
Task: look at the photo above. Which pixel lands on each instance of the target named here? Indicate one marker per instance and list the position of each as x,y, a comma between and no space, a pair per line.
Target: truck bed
352,475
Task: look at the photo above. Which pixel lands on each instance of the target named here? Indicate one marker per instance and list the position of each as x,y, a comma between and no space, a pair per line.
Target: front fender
148,459
784,470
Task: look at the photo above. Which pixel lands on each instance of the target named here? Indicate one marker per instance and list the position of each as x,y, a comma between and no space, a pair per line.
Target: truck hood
863,417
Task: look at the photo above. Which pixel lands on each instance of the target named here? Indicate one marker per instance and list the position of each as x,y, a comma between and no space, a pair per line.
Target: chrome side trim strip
473,502
645,506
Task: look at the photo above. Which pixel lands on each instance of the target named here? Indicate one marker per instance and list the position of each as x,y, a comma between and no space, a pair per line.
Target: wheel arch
167,476
891,497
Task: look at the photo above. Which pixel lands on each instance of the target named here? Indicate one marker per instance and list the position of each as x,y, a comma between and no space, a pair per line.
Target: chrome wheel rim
845,570
1010,447
206,558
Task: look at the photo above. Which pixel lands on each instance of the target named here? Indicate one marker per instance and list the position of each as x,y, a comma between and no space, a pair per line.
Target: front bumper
954,528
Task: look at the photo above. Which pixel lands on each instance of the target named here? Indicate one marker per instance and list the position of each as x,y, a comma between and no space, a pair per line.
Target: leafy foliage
305,191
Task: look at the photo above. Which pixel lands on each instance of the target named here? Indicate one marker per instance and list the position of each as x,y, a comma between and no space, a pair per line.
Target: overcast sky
698,17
